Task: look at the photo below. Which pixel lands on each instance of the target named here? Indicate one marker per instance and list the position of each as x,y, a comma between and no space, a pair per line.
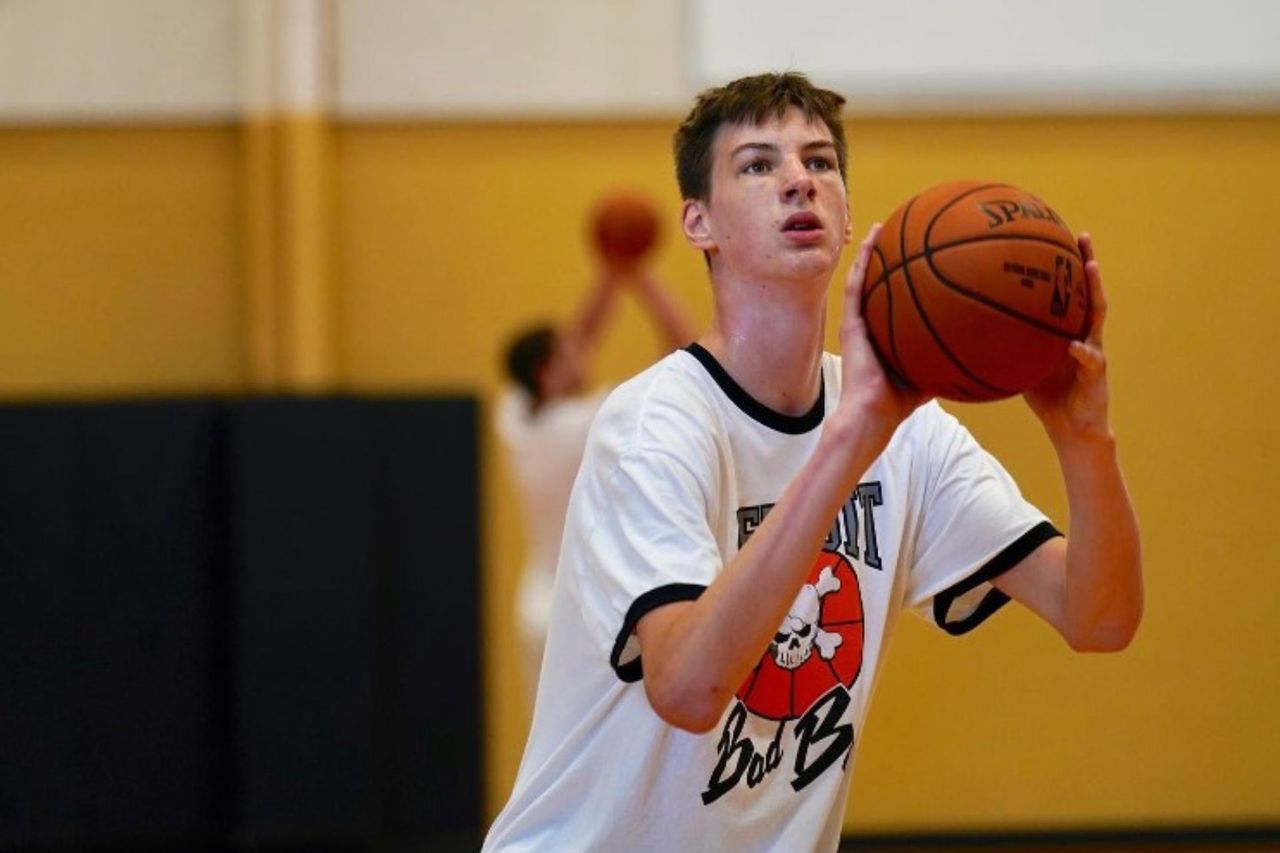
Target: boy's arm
697,653
1090,586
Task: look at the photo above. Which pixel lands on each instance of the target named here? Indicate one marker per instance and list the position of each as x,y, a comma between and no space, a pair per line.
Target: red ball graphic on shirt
817,646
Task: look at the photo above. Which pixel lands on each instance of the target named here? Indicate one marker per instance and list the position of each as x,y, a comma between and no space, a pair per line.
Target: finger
1085,242
1097,303
1090,358
858,272
1093,280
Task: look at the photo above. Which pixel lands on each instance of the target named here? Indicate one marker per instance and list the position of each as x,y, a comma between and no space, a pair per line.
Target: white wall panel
143,59
108,59
998,55
504,57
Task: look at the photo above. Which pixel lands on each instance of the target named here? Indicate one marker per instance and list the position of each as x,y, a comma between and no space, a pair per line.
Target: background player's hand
865,383
617,269
609,276
1072,402
634,276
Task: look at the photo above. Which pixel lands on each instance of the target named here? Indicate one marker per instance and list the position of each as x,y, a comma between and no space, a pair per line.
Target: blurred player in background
543,417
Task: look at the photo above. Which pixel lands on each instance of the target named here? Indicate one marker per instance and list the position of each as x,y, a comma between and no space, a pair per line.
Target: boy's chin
813,262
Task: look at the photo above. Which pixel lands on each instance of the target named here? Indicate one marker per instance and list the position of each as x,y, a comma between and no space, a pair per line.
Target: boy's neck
769,339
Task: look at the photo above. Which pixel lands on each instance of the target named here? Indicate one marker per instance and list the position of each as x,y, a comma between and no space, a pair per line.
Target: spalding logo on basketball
817,646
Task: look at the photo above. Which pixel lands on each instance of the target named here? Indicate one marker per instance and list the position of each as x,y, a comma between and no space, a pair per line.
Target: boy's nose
798,183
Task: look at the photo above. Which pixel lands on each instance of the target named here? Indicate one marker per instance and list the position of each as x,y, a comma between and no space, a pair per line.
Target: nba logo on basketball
1061,287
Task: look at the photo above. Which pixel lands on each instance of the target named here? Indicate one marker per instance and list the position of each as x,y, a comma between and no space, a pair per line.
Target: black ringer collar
753,408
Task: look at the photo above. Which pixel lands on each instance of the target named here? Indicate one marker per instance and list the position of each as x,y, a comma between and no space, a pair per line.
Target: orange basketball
624,227
974,291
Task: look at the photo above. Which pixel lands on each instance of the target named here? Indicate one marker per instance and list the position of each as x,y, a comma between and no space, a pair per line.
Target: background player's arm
696,653
666,314
1090,586
591,315
576,341
579,338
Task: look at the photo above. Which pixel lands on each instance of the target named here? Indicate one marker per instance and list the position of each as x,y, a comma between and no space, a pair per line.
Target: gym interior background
257,551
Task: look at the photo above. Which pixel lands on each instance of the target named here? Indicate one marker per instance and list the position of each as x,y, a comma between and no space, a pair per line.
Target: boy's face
777,207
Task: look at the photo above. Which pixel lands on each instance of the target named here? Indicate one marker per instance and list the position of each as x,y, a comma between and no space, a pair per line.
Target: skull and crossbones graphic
799,632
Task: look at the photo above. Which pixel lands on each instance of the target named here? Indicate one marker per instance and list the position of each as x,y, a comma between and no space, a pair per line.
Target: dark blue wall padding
221,622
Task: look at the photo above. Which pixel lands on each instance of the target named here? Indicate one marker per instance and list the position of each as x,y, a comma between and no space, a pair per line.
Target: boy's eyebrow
770,148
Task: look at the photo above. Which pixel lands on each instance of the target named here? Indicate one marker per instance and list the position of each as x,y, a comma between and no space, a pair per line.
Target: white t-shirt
544,450
681,466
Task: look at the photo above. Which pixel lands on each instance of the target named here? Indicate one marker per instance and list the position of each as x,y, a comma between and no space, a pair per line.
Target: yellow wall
118,261
119,271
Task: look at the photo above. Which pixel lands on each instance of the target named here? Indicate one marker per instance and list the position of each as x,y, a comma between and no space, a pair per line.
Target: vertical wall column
289,298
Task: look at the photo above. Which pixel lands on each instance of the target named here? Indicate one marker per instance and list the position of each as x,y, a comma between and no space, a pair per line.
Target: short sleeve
975,525
651,545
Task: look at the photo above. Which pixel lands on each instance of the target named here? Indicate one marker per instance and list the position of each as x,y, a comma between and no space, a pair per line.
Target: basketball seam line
928,229
927,256
894,359
1003,309
924,318
933,250
1073,250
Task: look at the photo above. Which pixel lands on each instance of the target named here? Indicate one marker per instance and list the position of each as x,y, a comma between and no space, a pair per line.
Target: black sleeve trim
1013,554
651,600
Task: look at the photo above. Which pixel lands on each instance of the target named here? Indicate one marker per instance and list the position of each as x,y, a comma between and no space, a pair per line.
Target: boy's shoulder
671,399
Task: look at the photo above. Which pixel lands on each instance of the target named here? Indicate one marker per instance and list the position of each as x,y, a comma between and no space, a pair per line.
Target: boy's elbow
1113,637
691,720
687,708
1100,643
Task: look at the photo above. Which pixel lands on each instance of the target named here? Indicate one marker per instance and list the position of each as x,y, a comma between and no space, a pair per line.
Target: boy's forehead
732,135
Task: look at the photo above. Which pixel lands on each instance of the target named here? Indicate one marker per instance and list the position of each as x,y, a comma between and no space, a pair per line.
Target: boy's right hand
867,389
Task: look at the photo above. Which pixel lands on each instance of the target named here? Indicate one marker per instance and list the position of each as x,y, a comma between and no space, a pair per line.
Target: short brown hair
750,99
528,351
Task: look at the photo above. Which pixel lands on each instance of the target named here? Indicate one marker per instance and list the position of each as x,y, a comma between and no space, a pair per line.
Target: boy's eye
821,164
757,167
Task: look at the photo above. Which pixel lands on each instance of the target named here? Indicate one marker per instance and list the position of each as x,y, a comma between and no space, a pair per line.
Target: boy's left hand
1072,402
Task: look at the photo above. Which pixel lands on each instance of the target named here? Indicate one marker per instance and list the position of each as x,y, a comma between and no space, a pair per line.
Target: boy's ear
848,225
696,225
